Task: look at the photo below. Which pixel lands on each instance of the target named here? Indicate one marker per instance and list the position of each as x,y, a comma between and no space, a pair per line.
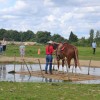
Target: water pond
5,76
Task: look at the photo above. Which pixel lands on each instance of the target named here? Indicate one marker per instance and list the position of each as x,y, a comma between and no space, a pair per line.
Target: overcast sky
56,16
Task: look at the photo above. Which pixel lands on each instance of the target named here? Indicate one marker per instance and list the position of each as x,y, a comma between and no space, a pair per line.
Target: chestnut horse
55,47
67,51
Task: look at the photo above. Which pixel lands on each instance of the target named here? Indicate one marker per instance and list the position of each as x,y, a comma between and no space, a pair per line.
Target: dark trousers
4,47
94,49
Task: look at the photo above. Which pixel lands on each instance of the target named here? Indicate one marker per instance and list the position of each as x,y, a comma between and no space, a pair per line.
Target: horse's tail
77,59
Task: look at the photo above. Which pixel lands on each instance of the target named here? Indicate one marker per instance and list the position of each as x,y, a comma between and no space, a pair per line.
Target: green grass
31,51
85,53
48,91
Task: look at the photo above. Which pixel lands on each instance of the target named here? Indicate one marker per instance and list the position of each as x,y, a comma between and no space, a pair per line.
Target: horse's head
58,57
59,54
55,45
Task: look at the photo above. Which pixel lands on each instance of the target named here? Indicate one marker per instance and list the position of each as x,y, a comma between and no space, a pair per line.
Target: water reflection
4,76
2,71
51,80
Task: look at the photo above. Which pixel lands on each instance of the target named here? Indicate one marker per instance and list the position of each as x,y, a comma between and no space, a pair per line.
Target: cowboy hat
50,42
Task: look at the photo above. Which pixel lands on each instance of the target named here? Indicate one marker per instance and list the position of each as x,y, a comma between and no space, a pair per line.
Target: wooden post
89,65
27,67
14,60
30,66
40,67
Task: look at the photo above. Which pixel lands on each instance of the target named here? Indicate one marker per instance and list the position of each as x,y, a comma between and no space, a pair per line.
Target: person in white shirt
94,45
22,50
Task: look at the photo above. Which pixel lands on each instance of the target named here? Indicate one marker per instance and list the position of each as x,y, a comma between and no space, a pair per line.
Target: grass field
85,53
48,91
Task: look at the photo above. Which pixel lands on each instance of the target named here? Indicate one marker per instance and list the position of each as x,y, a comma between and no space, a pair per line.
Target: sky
55,16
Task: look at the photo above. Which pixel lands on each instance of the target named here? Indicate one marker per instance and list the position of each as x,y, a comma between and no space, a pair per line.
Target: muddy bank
4,59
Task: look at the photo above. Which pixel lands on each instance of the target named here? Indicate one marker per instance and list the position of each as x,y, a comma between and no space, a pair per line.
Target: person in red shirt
49,58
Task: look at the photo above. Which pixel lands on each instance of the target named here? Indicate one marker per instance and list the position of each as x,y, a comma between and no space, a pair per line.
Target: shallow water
5,76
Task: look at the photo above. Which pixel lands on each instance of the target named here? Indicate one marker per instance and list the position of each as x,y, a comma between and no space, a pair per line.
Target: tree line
44,36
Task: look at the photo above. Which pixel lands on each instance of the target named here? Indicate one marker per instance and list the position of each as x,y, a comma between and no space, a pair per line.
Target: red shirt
49,50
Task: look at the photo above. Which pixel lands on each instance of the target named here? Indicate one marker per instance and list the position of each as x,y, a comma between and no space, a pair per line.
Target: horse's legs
75,62
74,65
58,65
54,64
68,62
63,65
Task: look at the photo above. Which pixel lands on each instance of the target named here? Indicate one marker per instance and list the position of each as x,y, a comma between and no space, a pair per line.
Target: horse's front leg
58,65
63,64
67,61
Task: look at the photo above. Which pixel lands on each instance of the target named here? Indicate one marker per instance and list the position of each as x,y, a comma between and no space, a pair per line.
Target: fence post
27,67
89,65
40,67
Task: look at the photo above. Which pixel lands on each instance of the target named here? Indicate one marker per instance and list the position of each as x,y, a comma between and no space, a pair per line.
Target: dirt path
42,60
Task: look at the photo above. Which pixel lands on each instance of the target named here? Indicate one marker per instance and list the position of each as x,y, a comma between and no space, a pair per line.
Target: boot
46,72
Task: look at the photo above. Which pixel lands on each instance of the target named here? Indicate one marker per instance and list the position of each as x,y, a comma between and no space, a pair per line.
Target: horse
56,47
68,51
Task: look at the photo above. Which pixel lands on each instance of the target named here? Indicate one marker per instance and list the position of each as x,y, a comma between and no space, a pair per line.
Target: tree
27,36
97,36
73,37
58,38
83,42
13,35
91,36
43,37
2,33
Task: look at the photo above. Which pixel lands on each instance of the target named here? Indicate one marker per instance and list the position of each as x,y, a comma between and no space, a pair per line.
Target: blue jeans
48,62
1,49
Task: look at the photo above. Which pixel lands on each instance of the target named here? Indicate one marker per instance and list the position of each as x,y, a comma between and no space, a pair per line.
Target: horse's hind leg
75,62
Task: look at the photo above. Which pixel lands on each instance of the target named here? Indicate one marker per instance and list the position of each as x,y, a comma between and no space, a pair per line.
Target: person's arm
52,50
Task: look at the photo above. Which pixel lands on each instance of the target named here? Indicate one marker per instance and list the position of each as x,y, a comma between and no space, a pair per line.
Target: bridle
59,52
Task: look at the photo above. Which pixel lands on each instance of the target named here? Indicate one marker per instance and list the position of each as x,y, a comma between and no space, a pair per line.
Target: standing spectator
22,50
4,43
49,58
1,48
94,45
